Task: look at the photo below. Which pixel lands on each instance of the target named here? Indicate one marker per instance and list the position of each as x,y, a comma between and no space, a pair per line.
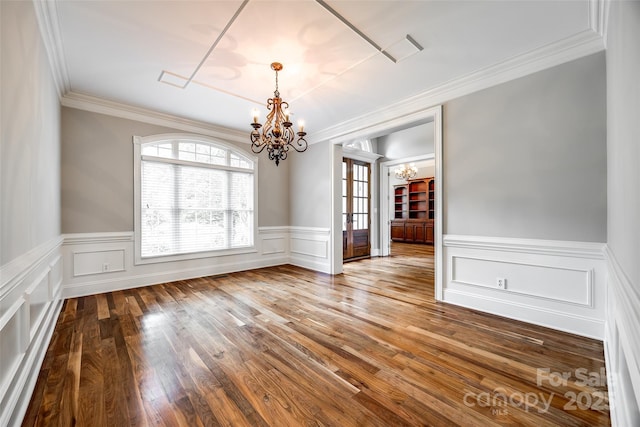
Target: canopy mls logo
500,400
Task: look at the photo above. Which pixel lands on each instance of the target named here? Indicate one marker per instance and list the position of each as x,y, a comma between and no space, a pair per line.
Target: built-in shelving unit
414,211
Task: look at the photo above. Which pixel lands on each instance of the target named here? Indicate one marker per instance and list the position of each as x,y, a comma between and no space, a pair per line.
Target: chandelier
406,172
277,135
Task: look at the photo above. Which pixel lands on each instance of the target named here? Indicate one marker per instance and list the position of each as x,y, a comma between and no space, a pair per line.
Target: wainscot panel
104,262
310,248
30,301
622,347
557,284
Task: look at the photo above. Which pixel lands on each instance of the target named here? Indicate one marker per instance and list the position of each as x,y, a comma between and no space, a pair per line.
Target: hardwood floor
285,346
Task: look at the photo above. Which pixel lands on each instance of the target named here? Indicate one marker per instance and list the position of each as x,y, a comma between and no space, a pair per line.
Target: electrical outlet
105,267
501,282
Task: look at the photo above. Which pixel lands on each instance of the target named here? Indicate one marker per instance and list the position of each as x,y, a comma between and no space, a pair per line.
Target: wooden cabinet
414,211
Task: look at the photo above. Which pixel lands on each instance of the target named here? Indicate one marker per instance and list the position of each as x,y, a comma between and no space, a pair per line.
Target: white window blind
194,197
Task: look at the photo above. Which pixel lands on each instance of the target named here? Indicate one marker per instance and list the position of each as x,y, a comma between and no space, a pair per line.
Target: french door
356,219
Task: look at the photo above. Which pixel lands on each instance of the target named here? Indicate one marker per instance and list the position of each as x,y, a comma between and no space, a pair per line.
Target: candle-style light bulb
286,115
301,125
256,114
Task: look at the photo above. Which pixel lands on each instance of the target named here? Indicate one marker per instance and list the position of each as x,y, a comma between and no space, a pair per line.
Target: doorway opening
407,210
380,239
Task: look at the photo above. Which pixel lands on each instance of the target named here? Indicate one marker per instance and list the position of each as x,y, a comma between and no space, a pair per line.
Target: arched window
194,197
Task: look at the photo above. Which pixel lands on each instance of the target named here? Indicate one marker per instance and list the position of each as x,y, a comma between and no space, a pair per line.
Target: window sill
194,255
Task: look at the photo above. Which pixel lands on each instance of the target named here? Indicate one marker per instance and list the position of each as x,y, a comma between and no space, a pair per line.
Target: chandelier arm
258,148
300,145
257,141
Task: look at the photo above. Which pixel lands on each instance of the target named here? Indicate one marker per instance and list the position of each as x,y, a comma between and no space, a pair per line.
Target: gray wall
310,186
411,142
30,132
527,158
97,174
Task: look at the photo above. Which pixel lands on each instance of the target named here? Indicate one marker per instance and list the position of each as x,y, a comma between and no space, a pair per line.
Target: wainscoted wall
30,301
103,262
622,346
310,248
558,284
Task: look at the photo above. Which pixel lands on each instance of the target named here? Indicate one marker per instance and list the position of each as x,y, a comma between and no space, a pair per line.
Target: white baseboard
557,284
31,291
527,313
622,347
311,264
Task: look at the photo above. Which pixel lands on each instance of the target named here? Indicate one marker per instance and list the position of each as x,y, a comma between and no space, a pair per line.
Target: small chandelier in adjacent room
277,135
406,172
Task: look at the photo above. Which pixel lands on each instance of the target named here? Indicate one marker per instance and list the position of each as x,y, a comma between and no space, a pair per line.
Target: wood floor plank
286,346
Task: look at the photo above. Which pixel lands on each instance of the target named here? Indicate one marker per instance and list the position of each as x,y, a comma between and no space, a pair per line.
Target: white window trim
138,142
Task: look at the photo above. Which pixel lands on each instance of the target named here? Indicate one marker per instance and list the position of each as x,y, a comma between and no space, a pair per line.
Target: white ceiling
142,53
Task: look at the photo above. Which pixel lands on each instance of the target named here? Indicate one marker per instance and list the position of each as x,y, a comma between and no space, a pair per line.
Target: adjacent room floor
288,346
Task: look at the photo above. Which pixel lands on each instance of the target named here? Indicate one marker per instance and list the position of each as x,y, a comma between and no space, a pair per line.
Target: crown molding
99,105
49,24
401,113
577,46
